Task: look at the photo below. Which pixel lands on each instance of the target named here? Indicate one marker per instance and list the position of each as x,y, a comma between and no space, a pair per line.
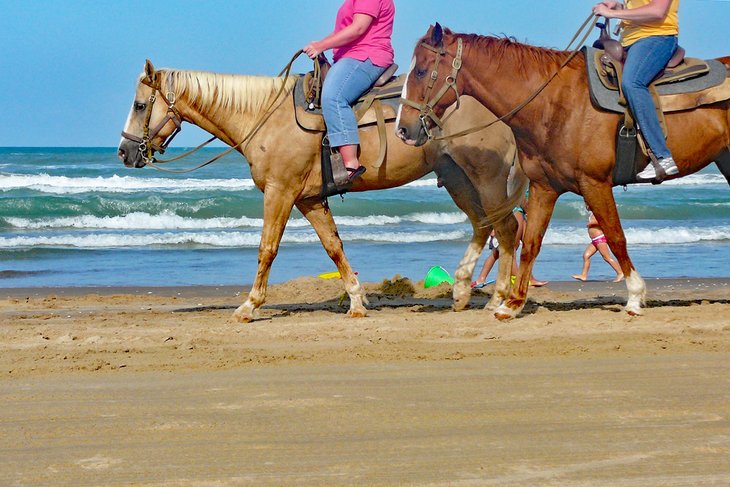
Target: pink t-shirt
375,42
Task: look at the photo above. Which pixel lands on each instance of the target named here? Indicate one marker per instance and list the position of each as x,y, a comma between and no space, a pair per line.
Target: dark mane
525,58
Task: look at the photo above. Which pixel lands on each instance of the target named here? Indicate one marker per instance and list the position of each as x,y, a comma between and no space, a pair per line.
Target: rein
147,148
426,109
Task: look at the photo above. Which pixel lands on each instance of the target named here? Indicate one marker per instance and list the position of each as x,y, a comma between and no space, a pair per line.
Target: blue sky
68,68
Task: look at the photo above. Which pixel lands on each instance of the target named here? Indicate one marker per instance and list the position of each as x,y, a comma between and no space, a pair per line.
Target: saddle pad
672,95
388,94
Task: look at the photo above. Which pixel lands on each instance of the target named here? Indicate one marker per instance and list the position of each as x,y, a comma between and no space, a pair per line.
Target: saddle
685,84
374,107
314,80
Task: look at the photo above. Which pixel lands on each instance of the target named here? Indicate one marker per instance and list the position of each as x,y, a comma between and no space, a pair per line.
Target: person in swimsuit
598,244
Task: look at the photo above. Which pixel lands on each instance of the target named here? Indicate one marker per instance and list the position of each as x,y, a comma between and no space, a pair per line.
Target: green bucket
436,275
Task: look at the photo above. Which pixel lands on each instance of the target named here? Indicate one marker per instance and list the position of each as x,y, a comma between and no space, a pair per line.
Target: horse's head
152,122
431,85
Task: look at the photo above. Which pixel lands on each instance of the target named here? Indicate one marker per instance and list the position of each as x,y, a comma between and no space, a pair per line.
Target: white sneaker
668,164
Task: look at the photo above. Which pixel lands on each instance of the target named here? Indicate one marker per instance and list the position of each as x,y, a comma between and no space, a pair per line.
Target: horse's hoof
461,295
634,311
357,313
460,304
241,318
505,313
244,314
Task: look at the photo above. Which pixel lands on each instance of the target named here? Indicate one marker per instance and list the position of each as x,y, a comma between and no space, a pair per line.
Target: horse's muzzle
130,155
416,137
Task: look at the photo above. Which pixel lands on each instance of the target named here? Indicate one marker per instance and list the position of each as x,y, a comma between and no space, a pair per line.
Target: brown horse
284,162
564,142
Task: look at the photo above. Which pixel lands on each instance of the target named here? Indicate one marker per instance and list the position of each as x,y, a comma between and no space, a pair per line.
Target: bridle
425,109
147,147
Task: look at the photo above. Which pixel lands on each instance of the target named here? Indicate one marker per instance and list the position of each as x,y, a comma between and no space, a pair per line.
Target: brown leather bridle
425,109
147,147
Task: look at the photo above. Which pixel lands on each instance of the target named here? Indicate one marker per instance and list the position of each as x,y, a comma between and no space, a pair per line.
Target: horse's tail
517,184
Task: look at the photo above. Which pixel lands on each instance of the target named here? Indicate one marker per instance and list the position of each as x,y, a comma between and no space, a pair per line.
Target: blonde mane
214,92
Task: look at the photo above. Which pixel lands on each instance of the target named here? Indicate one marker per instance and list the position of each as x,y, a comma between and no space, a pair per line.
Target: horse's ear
437,35
149,70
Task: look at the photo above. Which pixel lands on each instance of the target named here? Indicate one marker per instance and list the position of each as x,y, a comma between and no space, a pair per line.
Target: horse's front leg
600,200
278,203
324,224
465,195
540,206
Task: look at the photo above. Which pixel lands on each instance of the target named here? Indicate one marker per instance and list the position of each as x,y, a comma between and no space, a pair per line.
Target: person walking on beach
493,244
649,35
362,52
598,244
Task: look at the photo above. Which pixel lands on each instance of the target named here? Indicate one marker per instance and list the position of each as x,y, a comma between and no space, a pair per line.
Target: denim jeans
645,59
345,82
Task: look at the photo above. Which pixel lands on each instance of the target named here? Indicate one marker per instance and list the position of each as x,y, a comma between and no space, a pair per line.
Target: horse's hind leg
599,197
506,231
323,223
278,204
465,195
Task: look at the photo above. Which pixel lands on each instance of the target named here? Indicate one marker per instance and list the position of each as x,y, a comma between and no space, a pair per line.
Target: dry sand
160,387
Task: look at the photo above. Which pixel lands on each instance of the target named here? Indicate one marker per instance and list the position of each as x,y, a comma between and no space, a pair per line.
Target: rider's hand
313,49
604,9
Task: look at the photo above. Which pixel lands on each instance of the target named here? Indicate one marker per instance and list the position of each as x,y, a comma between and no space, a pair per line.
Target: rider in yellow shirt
649,35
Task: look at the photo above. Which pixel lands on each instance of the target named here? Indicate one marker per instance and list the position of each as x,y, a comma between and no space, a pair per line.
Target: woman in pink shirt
362,52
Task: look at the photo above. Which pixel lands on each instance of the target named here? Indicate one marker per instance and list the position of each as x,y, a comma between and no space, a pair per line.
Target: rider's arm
653,11
360,24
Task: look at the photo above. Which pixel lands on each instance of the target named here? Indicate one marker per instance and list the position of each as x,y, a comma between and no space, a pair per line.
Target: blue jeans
645,59
345,82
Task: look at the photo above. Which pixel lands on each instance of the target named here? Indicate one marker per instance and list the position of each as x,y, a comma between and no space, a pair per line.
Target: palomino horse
564,142
284,161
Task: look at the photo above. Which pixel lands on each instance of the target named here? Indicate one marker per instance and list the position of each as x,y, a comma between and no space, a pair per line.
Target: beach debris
397,287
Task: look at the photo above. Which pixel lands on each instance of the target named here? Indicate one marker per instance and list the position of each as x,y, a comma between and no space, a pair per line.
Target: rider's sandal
354,173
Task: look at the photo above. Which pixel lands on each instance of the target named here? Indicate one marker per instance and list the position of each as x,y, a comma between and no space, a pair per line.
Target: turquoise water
77,217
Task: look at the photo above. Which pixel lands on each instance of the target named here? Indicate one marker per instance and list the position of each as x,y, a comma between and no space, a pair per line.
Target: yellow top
633,31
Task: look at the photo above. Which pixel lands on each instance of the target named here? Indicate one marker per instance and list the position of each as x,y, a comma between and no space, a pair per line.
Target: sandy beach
158,386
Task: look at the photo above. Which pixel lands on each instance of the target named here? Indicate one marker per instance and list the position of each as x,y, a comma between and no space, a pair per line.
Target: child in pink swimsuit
598,244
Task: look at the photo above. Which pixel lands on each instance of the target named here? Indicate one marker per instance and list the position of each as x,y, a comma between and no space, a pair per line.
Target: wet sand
158,386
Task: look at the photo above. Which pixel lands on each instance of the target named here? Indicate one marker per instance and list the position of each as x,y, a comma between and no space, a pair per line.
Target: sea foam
46,183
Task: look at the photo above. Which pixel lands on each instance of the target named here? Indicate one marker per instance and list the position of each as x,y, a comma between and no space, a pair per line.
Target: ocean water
78,217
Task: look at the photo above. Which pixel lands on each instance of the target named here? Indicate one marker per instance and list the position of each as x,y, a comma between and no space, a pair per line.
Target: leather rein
426,108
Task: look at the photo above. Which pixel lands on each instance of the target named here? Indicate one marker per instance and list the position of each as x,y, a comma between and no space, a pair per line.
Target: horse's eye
139,106
420,73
